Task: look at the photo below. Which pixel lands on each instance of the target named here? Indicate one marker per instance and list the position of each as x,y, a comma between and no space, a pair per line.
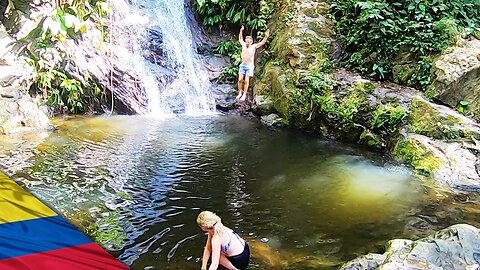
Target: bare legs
240,84
245,87
243,84
226,263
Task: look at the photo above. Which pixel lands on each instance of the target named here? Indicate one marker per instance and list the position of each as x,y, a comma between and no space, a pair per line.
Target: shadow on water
136,185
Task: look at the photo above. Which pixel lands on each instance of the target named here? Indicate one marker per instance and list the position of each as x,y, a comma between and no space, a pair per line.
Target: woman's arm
215,253
207,250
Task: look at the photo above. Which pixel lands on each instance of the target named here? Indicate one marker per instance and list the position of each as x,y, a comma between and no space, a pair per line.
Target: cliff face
303,87
303,36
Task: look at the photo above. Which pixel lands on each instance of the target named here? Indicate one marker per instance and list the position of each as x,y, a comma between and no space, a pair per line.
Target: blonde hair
209,220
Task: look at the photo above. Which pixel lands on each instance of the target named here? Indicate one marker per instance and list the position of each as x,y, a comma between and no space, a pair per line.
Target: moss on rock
277,83
426,120
371,140
416,155
403,73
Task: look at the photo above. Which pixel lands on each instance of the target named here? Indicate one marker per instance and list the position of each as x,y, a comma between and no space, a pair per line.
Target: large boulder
451,164
19,113
442,143
456,247
457,76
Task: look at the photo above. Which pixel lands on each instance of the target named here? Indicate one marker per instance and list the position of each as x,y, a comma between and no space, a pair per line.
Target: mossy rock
404,65
320,29
371,140
350,132
276,84
363,88
425,120
311,12
415,154
428,120
316,10
402,73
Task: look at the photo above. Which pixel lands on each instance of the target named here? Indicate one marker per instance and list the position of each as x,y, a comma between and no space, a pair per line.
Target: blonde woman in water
224,246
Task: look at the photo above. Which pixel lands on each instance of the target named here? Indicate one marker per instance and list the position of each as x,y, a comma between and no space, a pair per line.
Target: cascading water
153,43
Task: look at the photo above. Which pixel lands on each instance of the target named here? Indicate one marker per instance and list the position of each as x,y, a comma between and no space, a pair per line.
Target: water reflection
136,184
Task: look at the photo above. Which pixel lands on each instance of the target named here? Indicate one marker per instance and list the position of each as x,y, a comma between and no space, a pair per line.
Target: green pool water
136,185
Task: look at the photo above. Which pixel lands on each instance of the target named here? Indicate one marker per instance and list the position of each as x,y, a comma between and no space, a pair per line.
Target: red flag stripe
83,257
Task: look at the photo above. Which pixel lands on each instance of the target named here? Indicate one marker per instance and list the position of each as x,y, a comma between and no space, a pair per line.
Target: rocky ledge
456,247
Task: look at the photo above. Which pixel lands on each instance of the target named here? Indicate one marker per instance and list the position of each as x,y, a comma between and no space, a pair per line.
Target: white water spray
153,42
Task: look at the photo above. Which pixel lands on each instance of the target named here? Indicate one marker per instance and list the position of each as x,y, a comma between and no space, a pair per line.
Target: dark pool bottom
136,185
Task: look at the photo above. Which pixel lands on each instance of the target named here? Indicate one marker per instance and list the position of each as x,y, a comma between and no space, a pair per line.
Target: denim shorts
245,69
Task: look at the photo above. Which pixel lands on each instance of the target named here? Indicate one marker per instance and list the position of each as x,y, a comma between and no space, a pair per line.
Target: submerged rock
456,247
272,120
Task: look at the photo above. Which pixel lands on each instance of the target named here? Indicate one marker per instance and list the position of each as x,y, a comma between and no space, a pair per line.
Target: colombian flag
32,236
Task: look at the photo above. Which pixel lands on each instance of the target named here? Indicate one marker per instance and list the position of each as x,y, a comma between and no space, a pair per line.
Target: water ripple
136,186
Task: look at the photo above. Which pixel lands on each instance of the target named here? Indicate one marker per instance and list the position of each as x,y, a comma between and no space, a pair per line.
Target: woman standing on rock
224,246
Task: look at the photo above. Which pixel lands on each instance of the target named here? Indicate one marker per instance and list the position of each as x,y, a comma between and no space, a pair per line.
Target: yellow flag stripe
16,204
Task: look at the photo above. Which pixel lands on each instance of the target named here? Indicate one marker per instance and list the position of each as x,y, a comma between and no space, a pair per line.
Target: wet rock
262,105
154,50
215,64
455,247
272,120
224,95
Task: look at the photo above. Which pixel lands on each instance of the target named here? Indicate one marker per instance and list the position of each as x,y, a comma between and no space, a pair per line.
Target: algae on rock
415,154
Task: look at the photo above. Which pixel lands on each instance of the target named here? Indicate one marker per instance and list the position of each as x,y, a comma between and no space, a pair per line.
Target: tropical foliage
234,13
44,47
232,49
375,32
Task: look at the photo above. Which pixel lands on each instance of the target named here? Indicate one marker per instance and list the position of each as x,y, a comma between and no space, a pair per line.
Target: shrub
234,13
374,31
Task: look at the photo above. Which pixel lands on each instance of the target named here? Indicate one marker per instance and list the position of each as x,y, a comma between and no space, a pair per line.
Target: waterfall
152,42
